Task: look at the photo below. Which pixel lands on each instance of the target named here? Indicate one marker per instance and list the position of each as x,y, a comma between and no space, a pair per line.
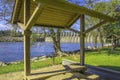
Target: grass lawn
103,58
34,65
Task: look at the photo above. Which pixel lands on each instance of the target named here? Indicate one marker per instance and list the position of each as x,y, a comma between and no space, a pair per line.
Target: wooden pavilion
52,13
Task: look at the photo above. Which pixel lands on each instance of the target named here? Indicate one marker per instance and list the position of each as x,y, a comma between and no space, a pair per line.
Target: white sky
5,27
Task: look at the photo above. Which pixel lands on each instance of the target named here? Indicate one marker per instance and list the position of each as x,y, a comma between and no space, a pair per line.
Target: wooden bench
77,68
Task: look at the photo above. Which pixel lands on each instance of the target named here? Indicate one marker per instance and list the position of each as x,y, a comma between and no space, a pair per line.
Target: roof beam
95,26
15,10
73,20
116,35
64,5
90,29
78,32
34,16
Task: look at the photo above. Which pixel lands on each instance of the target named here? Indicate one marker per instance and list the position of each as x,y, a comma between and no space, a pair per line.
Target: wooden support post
82,40
26,35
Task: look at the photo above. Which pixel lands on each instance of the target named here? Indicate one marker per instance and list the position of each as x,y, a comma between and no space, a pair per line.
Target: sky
5,27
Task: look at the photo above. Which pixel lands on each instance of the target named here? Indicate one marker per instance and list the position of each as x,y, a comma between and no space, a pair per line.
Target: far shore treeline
10,36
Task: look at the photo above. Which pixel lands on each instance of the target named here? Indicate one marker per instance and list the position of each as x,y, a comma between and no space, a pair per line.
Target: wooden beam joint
21,25
27,32
34,16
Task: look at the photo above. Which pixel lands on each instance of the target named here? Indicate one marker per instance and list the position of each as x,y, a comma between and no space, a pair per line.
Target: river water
13,51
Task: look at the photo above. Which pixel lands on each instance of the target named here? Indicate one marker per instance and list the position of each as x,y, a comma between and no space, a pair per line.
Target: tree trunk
56,41
101,37
95,41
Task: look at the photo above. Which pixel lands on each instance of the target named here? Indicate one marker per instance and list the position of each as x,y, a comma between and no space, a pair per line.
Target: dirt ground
12,76
59,69
104,75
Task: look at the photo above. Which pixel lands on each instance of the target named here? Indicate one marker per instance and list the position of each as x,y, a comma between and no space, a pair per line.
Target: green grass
103,58
34,65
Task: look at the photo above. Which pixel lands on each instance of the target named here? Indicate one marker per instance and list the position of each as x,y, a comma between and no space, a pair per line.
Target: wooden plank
63,5
78,68
51,26
49,8
82,40
95,26
49,21
49,18
34,16
57,15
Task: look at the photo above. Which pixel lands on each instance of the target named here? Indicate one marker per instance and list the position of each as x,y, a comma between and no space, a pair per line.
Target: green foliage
12,68
34,38
10,33
109,8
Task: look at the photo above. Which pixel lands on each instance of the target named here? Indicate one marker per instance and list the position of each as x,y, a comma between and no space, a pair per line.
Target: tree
6,7
106,7
6,10
55,35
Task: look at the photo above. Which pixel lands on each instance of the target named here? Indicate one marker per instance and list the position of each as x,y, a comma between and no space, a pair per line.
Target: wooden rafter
34,16
74,19
116,35
78,32
95,26
14,13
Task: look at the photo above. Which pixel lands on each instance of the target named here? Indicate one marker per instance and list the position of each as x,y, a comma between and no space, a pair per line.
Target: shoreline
40,58
11,39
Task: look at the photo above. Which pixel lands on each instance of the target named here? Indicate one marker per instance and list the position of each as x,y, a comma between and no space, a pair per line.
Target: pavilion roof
54,13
